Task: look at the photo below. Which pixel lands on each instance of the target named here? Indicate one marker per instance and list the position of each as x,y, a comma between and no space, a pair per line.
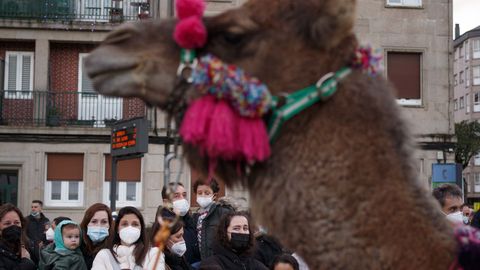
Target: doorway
8,187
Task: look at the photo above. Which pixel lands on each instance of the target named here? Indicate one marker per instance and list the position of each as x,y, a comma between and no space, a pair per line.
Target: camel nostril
120,35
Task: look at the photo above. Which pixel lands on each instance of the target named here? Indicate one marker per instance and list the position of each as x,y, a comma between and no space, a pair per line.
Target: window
19,75
467,103
462,103
129,185
476,160
476,48
455,79
405,3
64,183
476,102
476,182
460,50
461,77
467,51
476,75
467,78
455,55
455,104
404,71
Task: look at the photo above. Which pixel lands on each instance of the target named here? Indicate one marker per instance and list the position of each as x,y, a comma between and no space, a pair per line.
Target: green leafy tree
468,141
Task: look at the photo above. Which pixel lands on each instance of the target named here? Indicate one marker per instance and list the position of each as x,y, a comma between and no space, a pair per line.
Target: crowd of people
216,236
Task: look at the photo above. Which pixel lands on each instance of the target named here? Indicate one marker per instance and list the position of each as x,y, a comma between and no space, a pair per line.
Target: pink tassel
190,33
187,8
195,124
221,140
253,139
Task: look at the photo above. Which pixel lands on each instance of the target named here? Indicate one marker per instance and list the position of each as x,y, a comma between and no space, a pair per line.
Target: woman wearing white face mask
208,216
176,246
129,248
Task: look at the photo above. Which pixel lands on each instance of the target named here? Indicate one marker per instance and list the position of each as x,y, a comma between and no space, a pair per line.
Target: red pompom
190,33
187,8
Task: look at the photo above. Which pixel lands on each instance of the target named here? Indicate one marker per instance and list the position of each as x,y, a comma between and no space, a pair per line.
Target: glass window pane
131,191
73,191
56,190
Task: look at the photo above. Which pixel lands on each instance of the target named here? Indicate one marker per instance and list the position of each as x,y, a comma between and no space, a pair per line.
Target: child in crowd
285,262
65,254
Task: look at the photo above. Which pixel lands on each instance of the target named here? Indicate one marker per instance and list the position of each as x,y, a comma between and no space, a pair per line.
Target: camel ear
325,23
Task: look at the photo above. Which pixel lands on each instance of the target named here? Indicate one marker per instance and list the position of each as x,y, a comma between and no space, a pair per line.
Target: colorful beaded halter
227,121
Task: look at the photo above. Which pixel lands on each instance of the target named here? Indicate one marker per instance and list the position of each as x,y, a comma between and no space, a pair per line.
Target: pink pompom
187,8
190,33
221,139
253,139
196,122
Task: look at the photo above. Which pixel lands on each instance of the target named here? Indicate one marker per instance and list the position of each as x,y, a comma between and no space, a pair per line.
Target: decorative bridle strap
299,101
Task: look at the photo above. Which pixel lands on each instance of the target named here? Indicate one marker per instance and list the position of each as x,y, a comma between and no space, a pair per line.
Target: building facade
466,99
415,37
55,130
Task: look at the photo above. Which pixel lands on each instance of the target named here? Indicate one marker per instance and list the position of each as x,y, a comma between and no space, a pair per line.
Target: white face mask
456,217
181,207
204,202
49,234
179,248
466,220
129,235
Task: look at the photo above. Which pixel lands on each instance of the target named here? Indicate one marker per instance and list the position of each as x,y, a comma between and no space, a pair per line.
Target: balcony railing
74,10
69,108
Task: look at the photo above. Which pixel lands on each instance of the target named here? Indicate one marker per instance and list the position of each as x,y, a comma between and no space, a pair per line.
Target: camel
340,187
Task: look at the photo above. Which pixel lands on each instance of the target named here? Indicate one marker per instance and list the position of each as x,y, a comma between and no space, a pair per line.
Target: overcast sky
467,14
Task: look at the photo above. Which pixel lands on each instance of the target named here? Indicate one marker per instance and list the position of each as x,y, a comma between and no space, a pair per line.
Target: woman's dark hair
7,208
166,214
141,245
285,258
213,184
222,235
90,247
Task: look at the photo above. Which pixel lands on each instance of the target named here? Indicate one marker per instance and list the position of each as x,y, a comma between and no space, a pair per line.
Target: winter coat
57,260
10,261
267,248
226,259
175,262
190,236
209,227
36,228
105,260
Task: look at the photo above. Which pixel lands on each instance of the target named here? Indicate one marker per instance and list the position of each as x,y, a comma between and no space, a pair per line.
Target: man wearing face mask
181,206
450,198
208,216
36,224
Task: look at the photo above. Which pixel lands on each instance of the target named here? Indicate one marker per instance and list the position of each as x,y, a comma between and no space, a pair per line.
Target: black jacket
267,248
10,261
209,227
36,228
175,262
190,236
226,259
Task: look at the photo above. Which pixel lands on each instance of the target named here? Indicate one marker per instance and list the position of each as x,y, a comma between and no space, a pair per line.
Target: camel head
286,44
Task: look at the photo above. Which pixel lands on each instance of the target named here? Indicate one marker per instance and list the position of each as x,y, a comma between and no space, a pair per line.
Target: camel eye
233,38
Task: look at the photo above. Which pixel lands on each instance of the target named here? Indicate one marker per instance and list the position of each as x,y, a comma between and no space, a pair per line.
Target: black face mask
240,242
12,234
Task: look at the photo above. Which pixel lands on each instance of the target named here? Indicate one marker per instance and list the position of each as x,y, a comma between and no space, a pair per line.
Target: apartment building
415,37
466,98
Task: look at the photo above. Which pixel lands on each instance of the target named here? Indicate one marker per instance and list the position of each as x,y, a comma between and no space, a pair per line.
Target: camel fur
340,187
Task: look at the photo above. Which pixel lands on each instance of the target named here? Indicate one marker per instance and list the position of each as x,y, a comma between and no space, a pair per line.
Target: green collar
302,99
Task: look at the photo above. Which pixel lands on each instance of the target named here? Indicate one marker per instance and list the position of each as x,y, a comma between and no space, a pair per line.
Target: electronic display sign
129,137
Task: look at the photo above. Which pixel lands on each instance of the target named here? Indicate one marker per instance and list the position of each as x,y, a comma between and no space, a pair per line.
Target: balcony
67,109
74,11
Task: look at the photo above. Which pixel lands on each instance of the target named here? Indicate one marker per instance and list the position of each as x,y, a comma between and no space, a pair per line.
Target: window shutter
12,73
128,170
87,86
26,71
404,72
64,167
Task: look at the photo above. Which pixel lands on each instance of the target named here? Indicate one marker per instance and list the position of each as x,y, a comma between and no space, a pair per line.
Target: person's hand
24,253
